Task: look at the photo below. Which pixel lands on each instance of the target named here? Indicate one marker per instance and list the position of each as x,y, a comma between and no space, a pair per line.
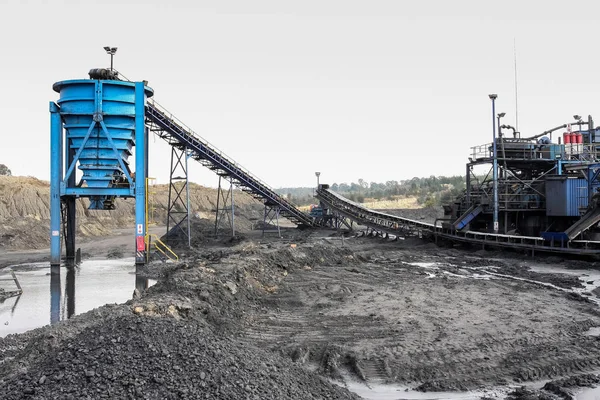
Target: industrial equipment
545,188
546,196
95,126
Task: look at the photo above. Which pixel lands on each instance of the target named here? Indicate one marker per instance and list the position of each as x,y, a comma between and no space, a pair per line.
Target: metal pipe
512,128
552,130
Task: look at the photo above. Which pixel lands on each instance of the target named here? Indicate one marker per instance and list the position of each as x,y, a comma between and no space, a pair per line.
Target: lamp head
493,96
501,115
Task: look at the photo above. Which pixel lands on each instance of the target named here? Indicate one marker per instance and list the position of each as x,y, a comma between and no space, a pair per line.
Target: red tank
567,137
578,138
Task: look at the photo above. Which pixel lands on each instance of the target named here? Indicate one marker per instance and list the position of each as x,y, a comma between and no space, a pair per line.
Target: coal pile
133,356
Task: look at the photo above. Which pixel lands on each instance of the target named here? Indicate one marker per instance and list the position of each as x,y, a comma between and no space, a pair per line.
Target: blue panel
556,236
566,196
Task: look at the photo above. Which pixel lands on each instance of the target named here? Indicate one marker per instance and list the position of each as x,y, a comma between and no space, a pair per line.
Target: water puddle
593,331
588,394
428,265
50,298
395,392
590,278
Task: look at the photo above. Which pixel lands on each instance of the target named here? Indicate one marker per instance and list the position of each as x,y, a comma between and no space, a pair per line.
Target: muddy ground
283,317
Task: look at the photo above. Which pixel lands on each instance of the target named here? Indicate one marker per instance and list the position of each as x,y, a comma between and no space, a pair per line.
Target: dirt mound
25,212
176,341
135,356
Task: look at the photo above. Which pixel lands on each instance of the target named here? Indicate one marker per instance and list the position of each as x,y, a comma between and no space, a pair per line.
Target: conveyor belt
587,221
374,219
177,134
407,227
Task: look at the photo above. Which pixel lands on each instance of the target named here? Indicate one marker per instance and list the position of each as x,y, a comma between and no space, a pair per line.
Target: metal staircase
179,135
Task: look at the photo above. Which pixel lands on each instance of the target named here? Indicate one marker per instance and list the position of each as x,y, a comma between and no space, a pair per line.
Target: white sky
378,90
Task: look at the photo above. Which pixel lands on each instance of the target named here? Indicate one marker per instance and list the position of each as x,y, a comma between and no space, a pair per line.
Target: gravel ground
283,318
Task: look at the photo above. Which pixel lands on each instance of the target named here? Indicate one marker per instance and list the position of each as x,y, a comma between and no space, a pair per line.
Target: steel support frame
271,215
178,211
225,207
340,220
64,190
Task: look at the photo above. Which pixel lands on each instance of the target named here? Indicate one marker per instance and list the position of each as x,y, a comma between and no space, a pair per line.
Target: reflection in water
54,297
70,292
58,304
141,281
57,310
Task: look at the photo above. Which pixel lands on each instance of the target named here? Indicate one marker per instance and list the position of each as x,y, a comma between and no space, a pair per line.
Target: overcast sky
378,90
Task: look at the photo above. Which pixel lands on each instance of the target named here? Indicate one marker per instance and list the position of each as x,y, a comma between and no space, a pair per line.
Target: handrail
166,250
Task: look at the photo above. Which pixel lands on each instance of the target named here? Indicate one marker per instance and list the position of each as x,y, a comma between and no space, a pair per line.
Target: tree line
431,191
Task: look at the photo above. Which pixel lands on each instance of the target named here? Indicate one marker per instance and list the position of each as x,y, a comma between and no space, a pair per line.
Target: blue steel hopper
99,118
95,125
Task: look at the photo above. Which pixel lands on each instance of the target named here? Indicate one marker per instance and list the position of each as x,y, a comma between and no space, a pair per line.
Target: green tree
4,170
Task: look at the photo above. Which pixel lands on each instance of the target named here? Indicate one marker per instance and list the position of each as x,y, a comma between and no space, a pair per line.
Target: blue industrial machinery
542,195
95,125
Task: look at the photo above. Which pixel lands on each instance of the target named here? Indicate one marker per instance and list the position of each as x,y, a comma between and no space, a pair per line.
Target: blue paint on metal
141,168
103,120
56,160
99,119
84,192
555,236
566,197
468,216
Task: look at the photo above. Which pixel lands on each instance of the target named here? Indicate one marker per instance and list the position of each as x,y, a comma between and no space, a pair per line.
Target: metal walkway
179,135
399,226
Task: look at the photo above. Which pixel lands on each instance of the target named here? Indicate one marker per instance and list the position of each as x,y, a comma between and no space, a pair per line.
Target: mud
274,318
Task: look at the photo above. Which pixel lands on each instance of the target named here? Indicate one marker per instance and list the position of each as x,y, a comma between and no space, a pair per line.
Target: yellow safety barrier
153,241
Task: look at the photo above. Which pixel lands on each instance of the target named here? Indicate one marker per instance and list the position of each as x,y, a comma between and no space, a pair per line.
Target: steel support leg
178,220
225,209
70,230
141,175
271,216
56,172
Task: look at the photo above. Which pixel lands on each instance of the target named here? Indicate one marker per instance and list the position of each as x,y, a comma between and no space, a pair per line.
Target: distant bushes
4,170
431,191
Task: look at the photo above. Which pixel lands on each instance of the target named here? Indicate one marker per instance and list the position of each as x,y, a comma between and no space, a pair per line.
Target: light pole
111,51
500,115
493,97
317,174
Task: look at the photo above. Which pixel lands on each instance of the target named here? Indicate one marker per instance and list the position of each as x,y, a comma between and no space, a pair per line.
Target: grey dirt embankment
176,341
273,318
